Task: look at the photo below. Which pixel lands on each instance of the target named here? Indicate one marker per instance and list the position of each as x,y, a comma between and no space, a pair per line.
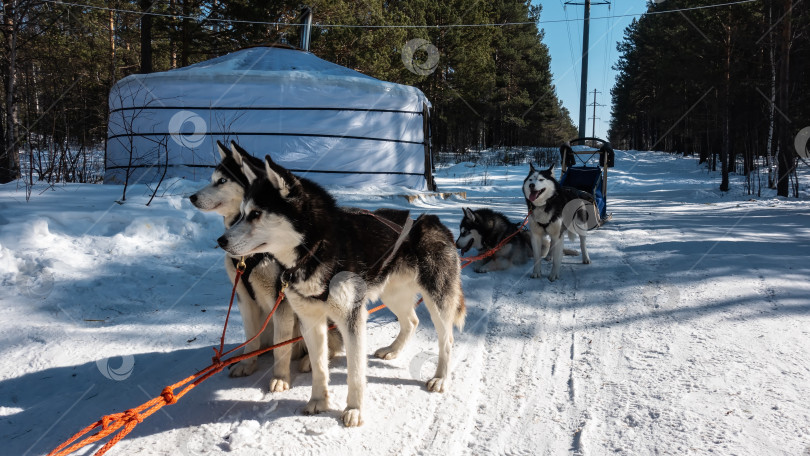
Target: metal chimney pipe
306,30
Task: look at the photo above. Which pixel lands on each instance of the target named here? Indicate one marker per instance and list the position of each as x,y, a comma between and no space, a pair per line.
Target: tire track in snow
606,345
617,349
577,416
524,400
451,427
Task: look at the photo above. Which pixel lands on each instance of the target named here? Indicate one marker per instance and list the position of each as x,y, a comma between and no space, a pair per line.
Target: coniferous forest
731,85
490,87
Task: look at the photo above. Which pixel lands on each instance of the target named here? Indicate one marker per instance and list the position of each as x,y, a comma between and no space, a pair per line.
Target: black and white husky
483,229
335,261
257,289
554,211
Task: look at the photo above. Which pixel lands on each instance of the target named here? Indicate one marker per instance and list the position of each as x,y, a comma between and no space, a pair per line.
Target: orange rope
130,418
127,420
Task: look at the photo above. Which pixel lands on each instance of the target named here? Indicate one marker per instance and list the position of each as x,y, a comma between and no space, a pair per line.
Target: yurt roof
271,66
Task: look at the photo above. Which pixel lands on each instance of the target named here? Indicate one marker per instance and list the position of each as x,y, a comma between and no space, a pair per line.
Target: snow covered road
689,333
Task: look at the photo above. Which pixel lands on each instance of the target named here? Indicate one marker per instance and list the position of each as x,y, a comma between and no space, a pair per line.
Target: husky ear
237,149
468,213
248,171
223,151
531,167
237,153
279,177
550,168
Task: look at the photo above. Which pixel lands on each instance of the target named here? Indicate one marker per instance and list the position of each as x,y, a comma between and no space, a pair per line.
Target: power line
502,24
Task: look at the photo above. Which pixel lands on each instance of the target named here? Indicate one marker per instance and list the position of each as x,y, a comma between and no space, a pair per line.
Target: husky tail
439,271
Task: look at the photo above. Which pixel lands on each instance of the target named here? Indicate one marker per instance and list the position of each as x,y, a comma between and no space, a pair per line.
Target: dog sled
585,175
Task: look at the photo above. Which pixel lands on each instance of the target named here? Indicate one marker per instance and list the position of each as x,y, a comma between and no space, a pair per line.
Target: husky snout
222,241
193,198
465,247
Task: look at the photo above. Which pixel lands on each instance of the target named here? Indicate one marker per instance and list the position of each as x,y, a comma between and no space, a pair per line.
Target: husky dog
483,229
549,204
335,261
257,289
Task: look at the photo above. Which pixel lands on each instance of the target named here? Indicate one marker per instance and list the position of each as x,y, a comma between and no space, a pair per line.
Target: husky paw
586,261
304,365
436,385
536,275
278,385
351,417
570,252
244,368
386,353
315,406
553,276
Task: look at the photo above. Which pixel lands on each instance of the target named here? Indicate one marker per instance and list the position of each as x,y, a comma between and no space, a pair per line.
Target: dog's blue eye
222,180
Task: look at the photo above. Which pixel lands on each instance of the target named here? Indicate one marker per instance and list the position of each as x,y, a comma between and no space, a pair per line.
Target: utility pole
583,91
594,104
146,36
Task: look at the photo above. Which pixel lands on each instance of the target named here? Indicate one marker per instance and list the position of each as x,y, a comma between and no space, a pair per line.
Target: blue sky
564,41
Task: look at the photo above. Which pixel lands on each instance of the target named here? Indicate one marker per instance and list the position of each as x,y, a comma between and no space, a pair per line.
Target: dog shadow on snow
42,409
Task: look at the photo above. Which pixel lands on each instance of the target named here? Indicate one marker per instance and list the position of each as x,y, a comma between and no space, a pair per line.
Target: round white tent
326,122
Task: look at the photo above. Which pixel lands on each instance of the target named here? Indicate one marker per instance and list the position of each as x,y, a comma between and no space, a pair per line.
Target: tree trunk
10,158
725,150
146,37
112,48
185,35
173,36
785,157
769,149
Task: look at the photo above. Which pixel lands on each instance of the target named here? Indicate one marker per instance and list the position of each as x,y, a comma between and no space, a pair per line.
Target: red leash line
240,269
132,417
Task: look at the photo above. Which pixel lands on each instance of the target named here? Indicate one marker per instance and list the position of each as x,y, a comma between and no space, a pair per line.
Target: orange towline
127,420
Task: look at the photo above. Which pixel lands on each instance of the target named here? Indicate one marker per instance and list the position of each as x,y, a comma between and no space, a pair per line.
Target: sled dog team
290,230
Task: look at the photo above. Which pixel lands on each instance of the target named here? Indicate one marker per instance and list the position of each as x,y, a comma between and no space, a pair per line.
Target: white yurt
326,122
